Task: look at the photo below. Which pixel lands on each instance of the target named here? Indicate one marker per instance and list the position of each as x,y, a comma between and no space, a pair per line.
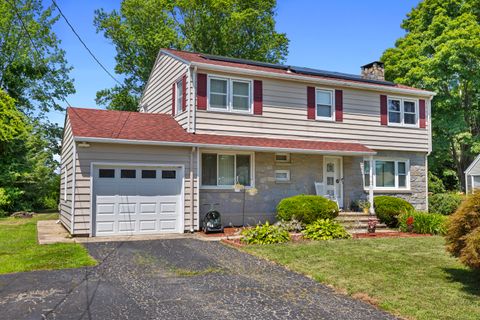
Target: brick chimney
373,71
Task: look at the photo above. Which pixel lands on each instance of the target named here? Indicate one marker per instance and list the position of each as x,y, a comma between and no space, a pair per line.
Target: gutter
331,82
225,146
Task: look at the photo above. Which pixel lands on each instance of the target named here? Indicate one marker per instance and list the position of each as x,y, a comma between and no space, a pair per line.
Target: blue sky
336,35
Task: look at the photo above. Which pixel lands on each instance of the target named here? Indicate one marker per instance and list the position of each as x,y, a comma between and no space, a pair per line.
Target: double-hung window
387,174
324,104
226,94
402,112
226,169
179,96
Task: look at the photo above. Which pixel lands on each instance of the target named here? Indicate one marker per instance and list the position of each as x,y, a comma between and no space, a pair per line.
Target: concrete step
360,225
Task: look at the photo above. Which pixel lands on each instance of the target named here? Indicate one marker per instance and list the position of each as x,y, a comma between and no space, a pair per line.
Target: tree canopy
34,79
237,28
441,52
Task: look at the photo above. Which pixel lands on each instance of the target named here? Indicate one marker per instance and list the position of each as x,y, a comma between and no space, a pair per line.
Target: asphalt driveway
174,279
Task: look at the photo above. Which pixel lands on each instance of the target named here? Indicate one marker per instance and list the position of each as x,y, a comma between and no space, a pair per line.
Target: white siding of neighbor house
285,116
103,152
66,174
157,96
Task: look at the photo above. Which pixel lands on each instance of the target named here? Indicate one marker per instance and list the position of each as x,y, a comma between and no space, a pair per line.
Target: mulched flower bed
393,234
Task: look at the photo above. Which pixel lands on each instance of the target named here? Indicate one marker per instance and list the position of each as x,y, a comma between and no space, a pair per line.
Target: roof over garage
108,126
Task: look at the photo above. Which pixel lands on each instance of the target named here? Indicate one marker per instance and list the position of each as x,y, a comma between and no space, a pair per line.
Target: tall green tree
237,28
34,79
441,52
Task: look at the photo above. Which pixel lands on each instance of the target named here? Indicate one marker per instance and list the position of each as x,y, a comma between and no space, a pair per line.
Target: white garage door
137,200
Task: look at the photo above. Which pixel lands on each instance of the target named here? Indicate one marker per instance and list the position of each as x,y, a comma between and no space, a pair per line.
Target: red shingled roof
197,57
108,124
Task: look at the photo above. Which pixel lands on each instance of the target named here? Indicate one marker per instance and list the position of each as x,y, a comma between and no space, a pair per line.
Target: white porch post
370,187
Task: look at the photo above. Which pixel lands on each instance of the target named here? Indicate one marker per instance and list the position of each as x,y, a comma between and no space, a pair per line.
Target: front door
333,179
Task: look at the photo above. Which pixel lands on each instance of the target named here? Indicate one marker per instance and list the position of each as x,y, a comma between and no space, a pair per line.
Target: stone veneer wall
304,171
417,195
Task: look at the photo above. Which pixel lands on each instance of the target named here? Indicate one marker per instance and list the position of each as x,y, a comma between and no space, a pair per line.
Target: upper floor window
324,104
230,94
402,112
179,96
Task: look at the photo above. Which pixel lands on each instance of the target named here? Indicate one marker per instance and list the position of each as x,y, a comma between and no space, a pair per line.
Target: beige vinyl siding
115,153
157,97
285,116
66,173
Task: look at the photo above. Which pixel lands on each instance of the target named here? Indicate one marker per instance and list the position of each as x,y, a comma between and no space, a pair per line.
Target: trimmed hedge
444,203
306,208
463,234
388,208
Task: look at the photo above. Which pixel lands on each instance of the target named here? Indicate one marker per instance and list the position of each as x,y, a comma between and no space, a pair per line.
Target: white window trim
179,107
396,188
282,154
332,92
402,112
223,152
229,108
287,179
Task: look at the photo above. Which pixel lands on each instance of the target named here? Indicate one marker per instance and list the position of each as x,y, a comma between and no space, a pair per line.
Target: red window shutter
383,110
339,105
257,97
201,91
311,103
184,93
422,112
173,99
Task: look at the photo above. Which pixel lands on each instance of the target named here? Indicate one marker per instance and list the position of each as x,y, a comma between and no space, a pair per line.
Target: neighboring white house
207,123
472,176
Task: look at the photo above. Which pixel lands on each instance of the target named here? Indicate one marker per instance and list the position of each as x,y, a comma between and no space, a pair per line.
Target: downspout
370,187
74,173
192,188
426,182
194,100
189,96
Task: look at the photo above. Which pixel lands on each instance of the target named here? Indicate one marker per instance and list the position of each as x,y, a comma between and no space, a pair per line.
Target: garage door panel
136,205
105,227
148,225
124,208
126,225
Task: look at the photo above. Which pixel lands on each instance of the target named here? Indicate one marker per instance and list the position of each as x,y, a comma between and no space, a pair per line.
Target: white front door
333,179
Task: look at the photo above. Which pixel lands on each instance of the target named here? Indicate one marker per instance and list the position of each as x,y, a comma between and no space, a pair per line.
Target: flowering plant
409,223
372,225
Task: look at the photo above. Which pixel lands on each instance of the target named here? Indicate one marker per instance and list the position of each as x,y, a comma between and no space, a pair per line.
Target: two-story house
208,125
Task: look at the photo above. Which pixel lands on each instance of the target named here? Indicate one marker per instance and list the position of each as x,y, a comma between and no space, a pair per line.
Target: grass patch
19,250
412,277
148,261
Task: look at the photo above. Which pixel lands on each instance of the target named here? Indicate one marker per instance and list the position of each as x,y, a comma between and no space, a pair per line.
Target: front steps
357,222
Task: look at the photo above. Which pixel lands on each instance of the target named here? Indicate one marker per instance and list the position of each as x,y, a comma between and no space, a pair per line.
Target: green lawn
411,277
19,250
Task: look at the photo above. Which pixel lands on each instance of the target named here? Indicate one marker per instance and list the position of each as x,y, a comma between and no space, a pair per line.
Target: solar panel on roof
298,70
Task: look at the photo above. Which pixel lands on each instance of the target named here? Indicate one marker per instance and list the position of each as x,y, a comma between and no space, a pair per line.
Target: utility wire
84,44
32,42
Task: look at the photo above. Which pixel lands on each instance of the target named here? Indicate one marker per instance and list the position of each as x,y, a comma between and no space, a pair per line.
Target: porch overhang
338,152
105,126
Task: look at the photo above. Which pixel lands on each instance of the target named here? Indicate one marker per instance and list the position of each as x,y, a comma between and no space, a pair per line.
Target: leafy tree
237,28
441,52
33,69
27,168
34,76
